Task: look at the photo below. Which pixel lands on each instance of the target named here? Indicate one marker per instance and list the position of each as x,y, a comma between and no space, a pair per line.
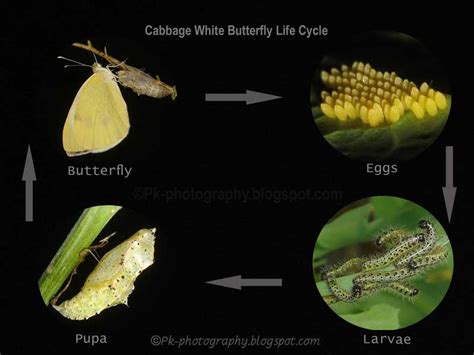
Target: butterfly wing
98,119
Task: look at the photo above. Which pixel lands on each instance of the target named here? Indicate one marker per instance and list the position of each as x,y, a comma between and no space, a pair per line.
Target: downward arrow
449,191
237,282
29,176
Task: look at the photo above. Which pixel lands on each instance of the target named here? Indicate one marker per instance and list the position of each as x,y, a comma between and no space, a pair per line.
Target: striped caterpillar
112,280
406,255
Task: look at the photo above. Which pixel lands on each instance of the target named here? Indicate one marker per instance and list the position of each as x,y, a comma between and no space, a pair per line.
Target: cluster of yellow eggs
376,97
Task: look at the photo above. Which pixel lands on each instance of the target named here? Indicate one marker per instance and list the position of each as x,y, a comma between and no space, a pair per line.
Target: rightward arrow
449,191
29,176
237,282
250,97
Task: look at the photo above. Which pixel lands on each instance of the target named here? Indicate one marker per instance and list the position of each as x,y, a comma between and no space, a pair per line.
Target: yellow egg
357,108
373,117
328,110
422,100
408,101
440,100
431,93
431,107
414,93
350,110
324,76
405,85
340,113
418,110
378,108
367,68
363,112
394,114
424,88
386,111
329,100
399,104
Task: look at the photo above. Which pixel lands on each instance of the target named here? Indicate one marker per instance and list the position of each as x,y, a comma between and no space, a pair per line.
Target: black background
210,146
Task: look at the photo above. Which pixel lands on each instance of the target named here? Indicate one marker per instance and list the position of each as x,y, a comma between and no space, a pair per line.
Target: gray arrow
250,97
449,191
29,176
237,282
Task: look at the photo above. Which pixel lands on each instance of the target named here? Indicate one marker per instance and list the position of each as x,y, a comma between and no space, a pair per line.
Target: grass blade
85,231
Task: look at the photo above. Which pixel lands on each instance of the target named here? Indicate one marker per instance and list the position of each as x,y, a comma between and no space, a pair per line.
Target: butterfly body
98,118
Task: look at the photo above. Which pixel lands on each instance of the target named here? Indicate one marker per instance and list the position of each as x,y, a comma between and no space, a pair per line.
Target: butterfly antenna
76,63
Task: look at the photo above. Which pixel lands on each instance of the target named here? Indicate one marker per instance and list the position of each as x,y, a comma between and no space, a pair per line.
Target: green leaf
378,317
399,141
85,231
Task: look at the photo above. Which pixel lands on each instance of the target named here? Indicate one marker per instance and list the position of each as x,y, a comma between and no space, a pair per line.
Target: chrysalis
112,280
134,78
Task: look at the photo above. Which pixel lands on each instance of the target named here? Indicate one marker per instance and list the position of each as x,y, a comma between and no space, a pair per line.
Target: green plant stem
85,231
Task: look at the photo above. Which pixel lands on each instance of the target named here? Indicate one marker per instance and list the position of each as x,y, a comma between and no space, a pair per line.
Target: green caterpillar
436,256
341,270
394,254
391,238
340,293
428,242
385,276
402,288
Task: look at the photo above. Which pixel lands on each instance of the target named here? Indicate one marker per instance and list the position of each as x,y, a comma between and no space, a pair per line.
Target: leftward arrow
29,176
250,97
449,191
237,282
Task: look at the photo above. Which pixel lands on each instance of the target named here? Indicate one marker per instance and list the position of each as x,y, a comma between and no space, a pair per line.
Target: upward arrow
449,191
29,176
